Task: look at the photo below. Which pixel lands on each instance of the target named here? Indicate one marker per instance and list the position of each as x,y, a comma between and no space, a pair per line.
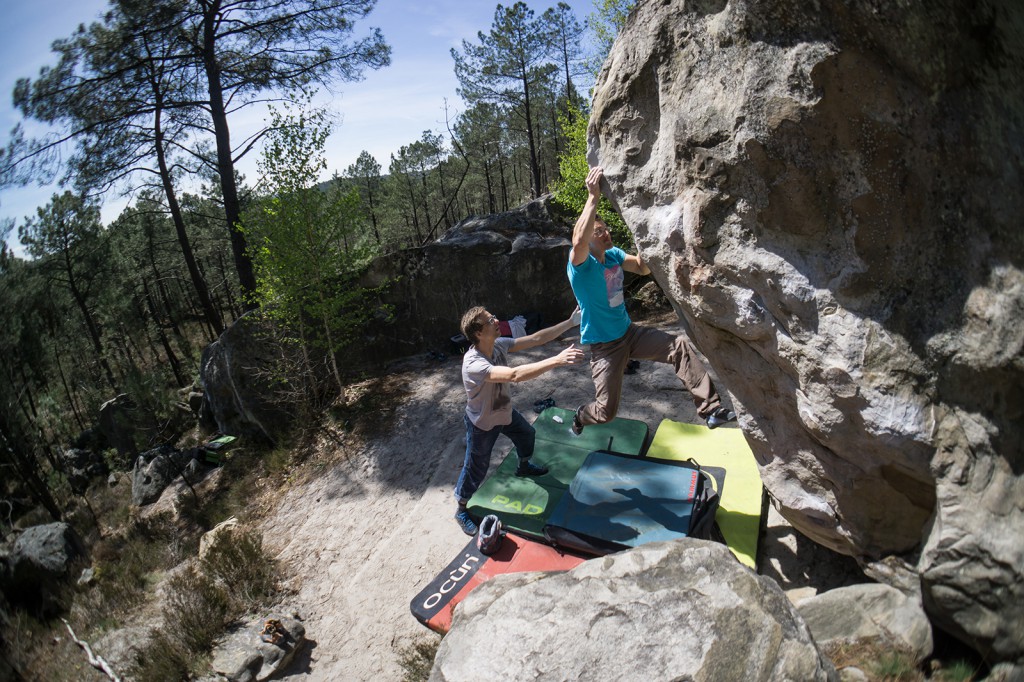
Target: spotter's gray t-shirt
488,404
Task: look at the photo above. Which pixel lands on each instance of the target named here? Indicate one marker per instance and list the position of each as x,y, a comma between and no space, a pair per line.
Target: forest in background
146,98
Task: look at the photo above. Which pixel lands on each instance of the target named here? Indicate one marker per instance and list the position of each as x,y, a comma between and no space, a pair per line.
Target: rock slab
684,609
829,193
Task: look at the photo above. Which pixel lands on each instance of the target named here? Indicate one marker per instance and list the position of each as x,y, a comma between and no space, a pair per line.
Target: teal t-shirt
598,290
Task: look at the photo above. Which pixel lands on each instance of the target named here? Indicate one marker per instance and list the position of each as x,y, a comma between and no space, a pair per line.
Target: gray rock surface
516,253
81,466
830,195
243,656
155,469
48,549
237,373
669,610
120,422
38,564
871,613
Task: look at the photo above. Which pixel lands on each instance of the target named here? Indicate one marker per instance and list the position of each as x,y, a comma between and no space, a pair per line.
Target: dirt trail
364,537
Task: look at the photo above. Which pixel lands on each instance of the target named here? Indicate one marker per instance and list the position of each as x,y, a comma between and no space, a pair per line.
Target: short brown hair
472,324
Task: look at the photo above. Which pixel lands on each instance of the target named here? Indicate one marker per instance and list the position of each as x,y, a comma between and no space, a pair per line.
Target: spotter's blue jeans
479,444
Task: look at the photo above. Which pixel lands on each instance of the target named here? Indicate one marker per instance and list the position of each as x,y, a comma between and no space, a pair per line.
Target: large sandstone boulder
519,255
38,564
120,424
664,611
241,377
831,195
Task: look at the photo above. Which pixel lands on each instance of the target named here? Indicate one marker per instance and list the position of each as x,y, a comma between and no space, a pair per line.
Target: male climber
596,275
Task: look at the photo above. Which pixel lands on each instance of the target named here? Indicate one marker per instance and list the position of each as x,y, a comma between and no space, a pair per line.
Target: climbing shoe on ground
466,523
488,540
577,426
719,417
528,468
542,405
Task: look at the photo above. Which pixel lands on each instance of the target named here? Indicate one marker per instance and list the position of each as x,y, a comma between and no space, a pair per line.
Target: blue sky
389,108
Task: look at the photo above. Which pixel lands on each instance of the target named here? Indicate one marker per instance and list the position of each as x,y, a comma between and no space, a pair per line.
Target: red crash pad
434,605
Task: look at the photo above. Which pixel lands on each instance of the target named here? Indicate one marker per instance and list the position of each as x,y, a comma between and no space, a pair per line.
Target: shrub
237,561
418,658
125,563
196,610
164,659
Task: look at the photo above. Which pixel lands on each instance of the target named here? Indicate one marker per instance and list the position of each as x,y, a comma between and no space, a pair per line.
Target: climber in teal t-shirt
596,273
598,288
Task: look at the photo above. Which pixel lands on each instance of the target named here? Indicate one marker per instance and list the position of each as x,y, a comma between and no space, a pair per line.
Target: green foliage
606,21
958,671
196,609
308,252
571,190
303,237
126,563
896,666
509,63
200,601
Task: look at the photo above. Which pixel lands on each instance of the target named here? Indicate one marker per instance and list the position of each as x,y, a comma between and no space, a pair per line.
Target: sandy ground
368,533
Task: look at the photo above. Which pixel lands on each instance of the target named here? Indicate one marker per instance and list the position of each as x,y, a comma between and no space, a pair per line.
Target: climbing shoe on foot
577,426
719,417
528,468
466,523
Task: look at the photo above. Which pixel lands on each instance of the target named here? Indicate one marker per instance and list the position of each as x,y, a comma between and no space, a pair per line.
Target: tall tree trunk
164,341
225,162
490,186
67,391
373,212
534,163
426,197
183,343
27,468
235,312
504,185
90,323
415,213
28,391
202,291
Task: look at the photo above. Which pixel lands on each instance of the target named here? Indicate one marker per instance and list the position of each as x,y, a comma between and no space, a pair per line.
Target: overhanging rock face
831,194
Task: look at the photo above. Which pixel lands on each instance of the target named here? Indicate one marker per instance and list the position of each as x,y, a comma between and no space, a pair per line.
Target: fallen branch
95,661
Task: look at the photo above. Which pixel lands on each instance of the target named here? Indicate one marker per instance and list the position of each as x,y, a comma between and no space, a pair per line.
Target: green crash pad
524,504
741,508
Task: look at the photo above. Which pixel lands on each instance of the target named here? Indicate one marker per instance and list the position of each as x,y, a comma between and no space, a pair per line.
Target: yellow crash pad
742,506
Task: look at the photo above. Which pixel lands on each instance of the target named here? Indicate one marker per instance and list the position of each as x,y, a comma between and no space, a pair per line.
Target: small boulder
120,420
258,649
208,538
40,560
81,466
869,613
684,609
155,469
